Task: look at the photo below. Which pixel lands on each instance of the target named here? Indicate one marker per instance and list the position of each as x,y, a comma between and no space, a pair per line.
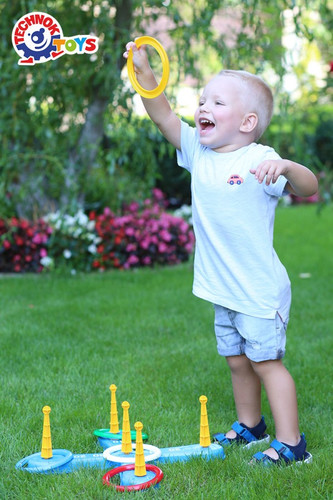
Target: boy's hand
157,108
271,169
140,59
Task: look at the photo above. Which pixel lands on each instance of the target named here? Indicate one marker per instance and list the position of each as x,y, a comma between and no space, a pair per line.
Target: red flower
19,241
118,240
14,221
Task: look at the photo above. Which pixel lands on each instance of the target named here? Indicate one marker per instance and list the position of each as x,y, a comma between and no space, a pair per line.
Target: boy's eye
219,103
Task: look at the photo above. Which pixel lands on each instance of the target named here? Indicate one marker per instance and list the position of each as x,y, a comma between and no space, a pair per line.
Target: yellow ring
149,94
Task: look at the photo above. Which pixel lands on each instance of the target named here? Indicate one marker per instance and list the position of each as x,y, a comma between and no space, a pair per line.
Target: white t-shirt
235,263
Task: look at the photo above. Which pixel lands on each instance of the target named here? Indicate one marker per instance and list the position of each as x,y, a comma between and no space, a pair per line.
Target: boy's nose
204,108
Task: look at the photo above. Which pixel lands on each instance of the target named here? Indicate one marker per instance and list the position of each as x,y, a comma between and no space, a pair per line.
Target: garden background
87,184
74,144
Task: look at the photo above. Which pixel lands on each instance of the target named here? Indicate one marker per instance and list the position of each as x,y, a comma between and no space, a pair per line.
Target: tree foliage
57,118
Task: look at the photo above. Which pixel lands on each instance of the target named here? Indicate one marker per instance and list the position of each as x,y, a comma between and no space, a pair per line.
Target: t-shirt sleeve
188,143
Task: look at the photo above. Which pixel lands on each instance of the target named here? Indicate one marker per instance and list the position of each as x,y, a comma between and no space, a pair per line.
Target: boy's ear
249,122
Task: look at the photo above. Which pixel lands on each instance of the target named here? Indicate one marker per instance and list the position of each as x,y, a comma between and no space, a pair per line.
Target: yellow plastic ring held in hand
149,94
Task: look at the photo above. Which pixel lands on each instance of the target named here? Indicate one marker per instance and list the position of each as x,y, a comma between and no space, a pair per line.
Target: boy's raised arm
157,108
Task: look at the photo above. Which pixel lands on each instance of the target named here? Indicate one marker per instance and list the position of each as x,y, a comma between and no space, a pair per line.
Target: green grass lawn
64,340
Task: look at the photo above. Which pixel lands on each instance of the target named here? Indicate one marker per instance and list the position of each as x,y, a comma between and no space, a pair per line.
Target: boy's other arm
301,181
158,108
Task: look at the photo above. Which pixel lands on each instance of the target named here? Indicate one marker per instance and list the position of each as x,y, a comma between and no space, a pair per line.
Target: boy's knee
237,363
263,367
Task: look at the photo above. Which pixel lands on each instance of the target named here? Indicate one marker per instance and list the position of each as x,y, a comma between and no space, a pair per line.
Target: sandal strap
285,454
283,451
243,432
264,459
221,438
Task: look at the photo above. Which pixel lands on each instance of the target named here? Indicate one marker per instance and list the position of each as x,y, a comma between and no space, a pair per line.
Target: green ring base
105,433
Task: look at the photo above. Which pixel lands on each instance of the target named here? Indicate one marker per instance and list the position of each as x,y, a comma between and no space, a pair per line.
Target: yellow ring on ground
149,94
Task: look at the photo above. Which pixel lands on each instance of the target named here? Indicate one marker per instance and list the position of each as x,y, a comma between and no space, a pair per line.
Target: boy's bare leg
281,393
247,391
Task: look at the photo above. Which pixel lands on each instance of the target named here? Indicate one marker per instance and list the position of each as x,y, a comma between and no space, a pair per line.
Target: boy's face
220,113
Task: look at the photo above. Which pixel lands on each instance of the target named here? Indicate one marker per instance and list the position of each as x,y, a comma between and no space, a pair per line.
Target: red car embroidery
235,179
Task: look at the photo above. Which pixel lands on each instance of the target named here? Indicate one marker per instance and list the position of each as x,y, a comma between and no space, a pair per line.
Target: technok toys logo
37,37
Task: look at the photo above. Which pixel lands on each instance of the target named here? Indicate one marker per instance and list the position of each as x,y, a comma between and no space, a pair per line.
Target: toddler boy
235,187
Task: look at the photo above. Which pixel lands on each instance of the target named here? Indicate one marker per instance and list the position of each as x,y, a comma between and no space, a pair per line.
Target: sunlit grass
65,339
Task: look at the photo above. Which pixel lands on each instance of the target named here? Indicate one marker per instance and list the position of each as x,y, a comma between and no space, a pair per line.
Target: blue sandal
243,436
285,455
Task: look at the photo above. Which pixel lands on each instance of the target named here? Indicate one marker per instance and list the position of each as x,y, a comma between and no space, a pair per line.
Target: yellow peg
114,425
140,464
204,427
126,443
46,439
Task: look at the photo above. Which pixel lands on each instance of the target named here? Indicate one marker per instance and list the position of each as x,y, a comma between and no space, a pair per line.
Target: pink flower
43,252
145,243
153,226
107,212
37,239
165,235
162,247
182,238
132,260
183,226
129,231
133,207
158,194
131,247
189,247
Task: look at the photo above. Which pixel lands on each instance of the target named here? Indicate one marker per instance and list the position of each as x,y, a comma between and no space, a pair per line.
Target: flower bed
73,241
23,245
141,239
142,236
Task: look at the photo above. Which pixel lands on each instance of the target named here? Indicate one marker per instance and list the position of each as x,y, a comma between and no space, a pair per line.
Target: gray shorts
259,339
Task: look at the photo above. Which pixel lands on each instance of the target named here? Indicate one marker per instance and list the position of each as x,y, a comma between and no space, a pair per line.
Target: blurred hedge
304,136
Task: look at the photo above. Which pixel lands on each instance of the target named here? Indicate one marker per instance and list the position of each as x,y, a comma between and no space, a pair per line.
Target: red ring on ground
133,487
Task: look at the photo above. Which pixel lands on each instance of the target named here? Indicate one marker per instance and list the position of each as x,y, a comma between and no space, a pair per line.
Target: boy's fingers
268,170
129,46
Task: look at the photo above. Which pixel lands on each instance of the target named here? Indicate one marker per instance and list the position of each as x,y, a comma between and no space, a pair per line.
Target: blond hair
259,99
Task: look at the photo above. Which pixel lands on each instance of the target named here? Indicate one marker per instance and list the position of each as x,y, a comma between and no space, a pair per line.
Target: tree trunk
84,155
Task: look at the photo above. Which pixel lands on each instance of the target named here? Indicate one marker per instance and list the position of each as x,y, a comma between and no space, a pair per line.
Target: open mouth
205,125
